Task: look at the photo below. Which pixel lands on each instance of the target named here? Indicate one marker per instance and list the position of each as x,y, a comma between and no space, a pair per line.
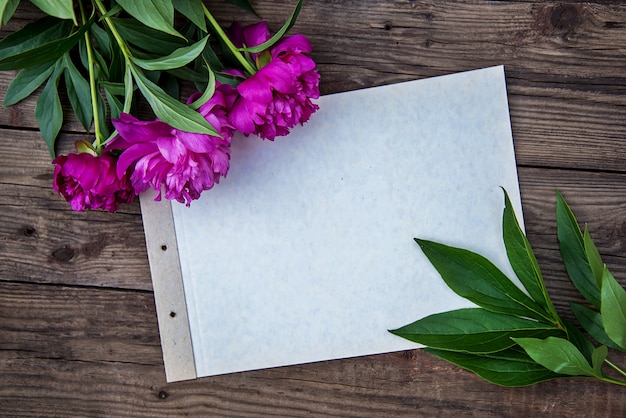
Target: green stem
127,58
92,84
114,32
246,65
614,367
614,381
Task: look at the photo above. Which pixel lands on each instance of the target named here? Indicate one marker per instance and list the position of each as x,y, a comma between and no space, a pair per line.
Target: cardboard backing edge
167,283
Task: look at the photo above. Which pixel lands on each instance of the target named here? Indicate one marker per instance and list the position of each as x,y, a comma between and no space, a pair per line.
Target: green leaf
186,73
613,309
473,330
129,88
7,9
288,24
103,41
192,10
170,85
79,93
178,58
116,89
45,52
509,368
48,110
117,66
170,110
244,4
522,258
212,59
148,39
591,321
593,257
597,359
557,354
208,92
572,246
156,14
475,278
101,68
33,35
63,9
26,82
102,115
115,105
82,53
114,10
228,79
576,337
153,76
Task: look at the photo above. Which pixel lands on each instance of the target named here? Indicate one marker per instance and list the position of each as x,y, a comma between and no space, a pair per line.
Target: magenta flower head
181,164
216,109
279,95
91,182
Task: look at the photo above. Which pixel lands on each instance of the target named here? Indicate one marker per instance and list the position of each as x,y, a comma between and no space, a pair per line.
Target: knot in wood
564,17
64,254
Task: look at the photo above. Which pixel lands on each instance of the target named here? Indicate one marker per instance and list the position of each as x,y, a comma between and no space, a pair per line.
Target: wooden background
78,329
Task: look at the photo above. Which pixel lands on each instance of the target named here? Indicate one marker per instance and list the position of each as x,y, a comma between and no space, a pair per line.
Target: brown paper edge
167,283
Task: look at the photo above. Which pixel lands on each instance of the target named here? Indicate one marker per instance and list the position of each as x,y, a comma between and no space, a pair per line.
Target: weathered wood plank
597,199
75,324
42,240
565,63
92,348
84,352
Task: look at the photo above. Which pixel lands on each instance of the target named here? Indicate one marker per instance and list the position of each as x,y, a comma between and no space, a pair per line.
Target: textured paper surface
305,251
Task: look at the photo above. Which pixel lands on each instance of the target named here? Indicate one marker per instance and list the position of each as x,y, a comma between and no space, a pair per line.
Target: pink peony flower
182,164
91,182
216,109
278,96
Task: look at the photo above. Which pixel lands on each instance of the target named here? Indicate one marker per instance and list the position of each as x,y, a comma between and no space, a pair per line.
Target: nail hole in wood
29,231
163,247
172,314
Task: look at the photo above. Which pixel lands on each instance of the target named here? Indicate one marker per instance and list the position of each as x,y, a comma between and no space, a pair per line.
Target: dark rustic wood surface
78,331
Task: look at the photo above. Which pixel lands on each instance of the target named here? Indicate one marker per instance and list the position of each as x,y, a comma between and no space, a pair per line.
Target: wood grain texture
68,357
564,62
78,330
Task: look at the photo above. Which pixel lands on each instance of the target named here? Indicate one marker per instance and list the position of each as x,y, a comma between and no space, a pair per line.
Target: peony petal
241,117
279,76
132,154
295,44
235,34
134,130
171,148
256,34
298,64
90,182
194,142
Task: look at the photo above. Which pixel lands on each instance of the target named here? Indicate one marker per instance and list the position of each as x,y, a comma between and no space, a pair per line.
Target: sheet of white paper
305,251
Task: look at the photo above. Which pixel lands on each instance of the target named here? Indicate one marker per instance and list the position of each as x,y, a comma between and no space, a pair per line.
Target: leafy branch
105,58
515,337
